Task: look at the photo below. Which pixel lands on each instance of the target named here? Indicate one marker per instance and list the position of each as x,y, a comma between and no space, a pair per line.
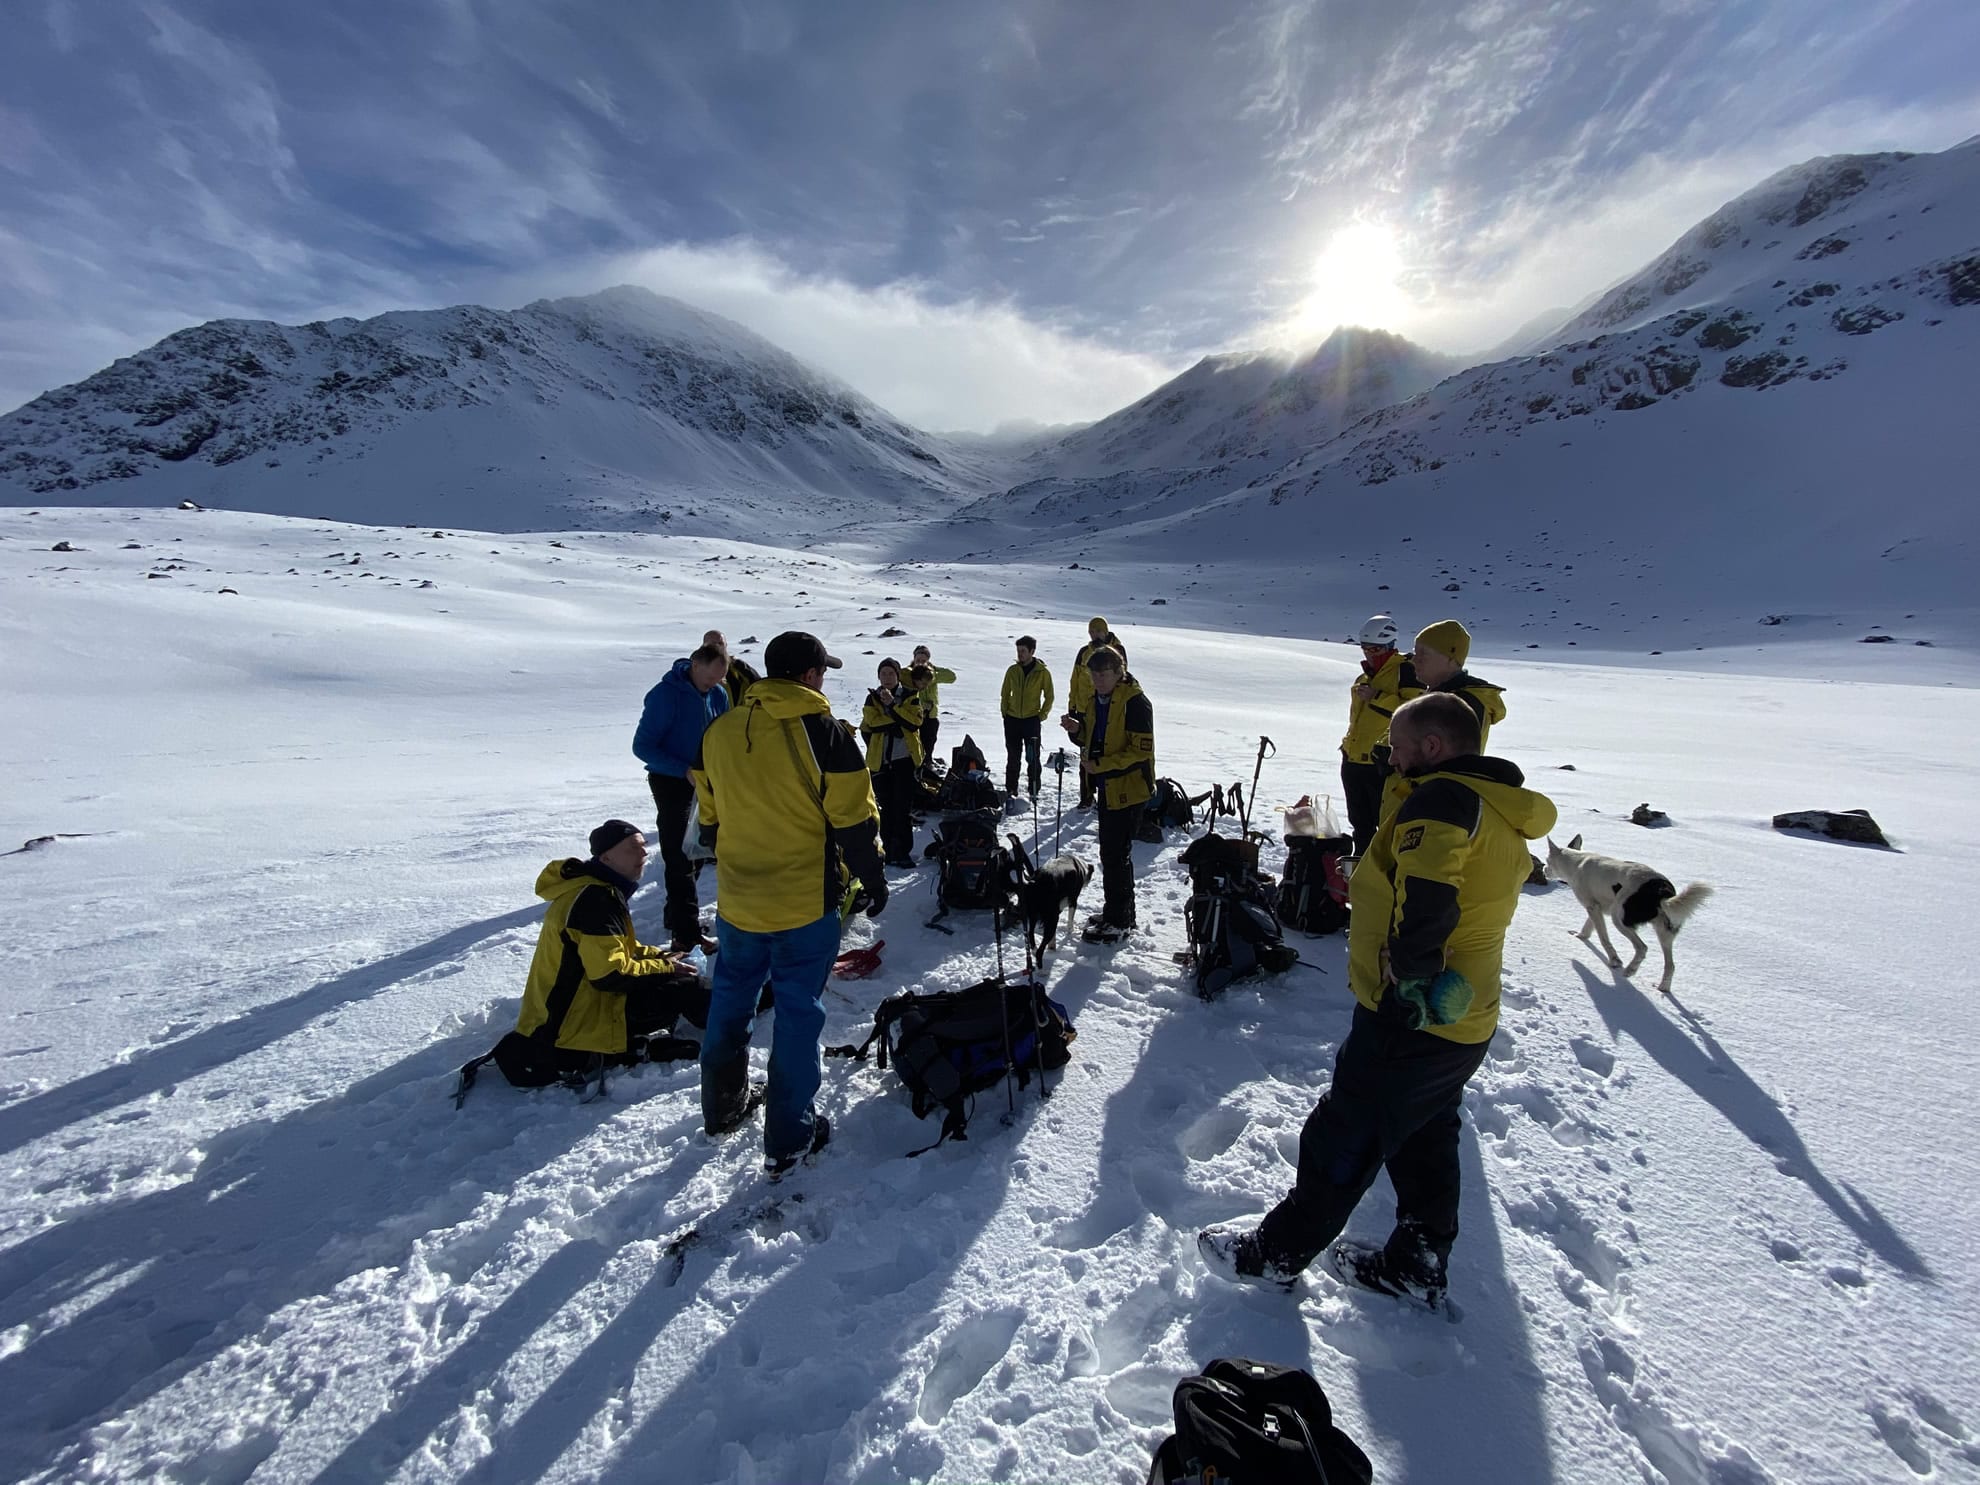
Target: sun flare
1357,280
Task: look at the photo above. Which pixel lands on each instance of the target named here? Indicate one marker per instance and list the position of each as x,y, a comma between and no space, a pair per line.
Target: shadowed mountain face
620,408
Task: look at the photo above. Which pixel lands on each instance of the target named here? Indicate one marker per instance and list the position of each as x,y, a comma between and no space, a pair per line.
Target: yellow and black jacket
930,695
587,958
1438,885
1027,693
1368,721
1079,685
740,677
901,718
1119,747
784,784
1484,698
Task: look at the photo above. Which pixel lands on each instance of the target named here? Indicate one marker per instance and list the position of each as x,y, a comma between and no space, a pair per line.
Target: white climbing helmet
1379,632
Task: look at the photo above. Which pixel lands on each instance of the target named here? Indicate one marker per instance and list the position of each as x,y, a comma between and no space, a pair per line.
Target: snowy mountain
1243,407
618,409
1784,419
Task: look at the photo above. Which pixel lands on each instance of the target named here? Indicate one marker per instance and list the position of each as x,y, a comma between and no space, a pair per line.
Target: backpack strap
469,1070
955,1126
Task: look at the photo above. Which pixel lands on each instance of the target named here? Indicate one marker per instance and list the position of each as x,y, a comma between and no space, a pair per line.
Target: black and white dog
1627,893
1049,892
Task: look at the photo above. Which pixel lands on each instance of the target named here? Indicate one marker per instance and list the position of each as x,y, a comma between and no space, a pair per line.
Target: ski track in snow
244,1234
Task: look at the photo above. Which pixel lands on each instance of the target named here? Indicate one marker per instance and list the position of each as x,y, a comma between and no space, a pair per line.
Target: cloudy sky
974,211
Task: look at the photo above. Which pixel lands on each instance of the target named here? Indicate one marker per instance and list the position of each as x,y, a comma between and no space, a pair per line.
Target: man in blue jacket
678,711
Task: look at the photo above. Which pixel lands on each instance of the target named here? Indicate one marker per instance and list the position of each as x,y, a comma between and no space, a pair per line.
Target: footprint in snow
964,1359
1213,1133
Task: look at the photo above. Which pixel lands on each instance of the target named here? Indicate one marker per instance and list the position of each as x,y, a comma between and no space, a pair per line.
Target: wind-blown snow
1726,1237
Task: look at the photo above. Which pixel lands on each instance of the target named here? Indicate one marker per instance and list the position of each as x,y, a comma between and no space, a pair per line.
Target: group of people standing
802,816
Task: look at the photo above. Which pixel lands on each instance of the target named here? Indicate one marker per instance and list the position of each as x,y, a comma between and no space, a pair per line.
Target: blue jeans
797,962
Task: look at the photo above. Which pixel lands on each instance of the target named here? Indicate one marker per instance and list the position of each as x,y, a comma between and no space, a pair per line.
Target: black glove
875,893
708,837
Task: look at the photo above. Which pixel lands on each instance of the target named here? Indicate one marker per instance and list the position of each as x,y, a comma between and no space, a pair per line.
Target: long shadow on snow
784,1358
279,1211
1450,1402
176,1062
1705,1067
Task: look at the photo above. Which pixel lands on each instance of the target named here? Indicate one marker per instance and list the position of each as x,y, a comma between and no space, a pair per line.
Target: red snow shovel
857,964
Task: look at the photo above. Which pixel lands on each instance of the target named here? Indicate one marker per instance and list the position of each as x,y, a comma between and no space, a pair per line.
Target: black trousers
1021,735
1117,862
1394,1102
894,790
674,800
930,730
1361,785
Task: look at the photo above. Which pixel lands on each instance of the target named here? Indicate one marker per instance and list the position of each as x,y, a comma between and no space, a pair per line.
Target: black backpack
974,870
1233,932
1249,1423
972,789
1313,893
1169,806
949,1044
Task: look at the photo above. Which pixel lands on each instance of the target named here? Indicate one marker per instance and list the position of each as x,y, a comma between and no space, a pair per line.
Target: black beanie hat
610,834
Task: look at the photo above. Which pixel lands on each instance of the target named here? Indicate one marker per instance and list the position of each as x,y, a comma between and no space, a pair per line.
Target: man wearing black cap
788,810
593,986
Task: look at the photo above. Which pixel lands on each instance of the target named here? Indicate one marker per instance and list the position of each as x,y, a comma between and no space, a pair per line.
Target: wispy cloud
1068,205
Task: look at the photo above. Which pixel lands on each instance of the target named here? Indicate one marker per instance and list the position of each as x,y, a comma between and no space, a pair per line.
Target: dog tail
1676,909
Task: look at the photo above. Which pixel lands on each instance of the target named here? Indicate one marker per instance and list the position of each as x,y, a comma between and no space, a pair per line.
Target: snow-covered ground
1719,1239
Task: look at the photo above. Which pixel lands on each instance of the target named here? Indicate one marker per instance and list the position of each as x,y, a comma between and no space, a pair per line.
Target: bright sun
1356,281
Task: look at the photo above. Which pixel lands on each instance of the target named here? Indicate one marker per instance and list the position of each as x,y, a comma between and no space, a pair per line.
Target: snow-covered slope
1243,407
1723,1239
618,409
1797,435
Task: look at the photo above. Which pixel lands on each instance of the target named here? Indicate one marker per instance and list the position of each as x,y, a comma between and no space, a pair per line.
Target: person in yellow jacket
891,725
1026,700
1079,685
1431,902
1373,699
930,697
1115,733
593,987
1436,663
786,806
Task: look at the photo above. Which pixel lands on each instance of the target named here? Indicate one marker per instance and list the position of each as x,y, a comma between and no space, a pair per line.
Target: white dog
1629,893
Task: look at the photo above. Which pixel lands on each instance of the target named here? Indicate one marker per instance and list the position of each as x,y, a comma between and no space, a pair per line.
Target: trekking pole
1004,1015
1265,746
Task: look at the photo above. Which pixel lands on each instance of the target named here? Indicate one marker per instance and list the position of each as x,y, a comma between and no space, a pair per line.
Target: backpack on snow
1169,806
1250,1421
1313,892
1233,931
948,1045
974,870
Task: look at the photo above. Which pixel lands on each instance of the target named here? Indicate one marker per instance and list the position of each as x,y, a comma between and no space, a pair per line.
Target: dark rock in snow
190,505
892,633
1849,825
1877,639
1537,877
1644,815
61,546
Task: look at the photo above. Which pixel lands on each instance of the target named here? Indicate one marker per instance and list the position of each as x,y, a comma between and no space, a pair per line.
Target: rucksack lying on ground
950,1044
1233,931
1250,1421
1169,807
1313,892
968,785
974,870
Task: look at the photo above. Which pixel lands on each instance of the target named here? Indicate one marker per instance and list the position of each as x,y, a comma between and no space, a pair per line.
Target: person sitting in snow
677,711
1430,905
594,990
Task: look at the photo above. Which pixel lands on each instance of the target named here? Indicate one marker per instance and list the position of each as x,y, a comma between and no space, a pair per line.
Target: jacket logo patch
1411,839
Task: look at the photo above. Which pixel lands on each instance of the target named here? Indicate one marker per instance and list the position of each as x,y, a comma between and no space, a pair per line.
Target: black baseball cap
793,652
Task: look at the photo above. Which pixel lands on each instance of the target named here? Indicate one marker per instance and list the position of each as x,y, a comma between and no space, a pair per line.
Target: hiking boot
777,1167
670,1049
1234,1255
1104,932
751,1104
1367,1266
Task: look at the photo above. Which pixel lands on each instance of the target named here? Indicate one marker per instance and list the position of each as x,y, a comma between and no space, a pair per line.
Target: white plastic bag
1305,818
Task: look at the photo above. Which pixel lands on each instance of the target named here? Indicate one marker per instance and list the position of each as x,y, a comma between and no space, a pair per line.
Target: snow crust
1727,1237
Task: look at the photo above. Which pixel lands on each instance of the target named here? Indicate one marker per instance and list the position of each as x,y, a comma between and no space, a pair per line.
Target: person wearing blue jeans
787,808
797,964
